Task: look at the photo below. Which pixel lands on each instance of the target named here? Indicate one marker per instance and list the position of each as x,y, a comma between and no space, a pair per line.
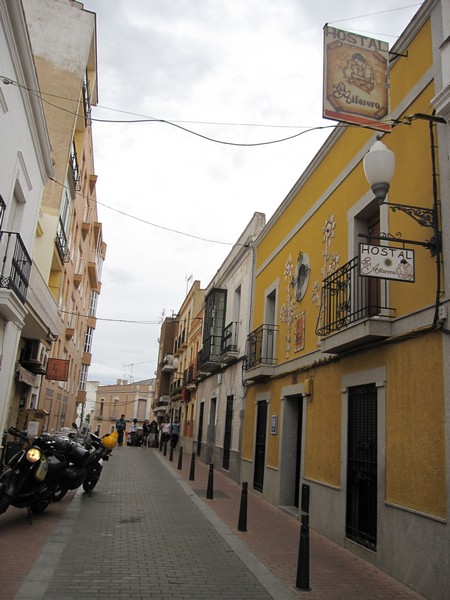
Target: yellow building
183,382
348,394
69,248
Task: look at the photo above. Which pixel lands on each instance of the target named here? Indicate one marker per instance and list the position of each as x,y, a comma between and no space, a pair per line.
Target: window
93,303
83,377
88,339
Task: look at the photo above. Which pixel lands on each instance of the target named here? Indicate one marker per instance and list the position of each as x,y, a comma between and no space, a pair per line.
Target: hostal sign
355,86
385,262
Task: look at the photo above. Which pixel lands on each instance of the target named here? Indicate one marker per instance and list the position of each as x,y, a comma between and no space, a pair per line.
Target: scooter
43,471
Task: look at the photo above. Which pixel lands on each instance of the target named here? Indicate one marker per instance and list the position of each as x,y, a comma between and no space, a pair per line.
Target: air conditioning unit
35,357
170,363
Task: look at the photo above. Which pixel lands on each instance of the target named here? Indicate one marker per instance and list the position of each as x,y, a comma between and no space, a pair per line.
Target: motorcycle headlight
33,454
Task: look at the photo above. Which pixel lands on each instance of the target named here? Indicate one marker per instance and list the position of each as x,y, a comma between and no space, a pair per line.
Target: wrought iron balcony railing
230,338
348,297
261,346
15,264
61,242
75,168
209,355
188,375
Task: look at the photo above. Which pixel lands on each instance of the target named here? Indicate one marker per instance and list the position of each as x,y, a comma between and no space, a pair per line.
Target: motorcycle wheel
5,499
39,506
92,479
59,494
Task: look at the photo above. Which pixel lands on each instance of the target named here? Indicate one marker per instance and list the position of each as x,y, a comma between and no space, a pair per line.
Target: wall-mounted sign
385,262
274,425
57,369
355,86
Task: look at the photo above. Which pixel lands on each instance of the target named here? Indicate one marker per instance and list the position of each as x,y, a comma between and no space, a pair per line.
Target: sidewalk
273,537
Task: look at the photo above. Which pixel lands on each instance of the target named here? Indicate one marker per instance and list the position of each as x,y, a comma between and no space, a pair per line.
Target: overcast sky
239,72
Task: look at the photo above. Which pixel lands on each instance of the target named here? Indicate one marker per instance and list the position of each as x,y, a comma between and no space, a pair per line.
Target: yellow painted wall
415,436
415,421
323,427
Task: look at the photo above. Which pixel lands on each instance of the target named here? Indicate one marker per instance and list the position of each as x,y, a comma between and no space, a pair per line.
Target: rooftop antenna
188,278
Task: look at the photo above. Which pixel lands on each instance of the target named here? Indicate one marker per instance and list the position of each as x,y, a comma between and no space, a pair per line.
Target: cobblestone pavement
147,531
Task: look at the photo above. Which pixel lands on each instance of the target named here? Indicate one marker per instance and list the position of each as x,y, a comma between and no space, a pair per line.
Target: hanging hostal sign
385,262
355,88
57,369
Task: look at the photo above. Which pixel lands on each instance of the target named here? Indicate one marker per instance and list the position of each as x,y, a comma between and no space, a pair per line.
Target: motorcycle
43,471
102,449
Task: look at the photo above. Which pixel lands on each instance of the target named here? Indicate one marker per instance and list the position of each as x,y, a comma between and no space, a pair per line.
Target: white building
28,312
226,324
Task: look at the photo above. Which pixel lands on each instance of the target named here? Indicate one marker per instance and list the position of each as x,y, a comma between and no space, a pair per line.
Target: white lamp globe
379,167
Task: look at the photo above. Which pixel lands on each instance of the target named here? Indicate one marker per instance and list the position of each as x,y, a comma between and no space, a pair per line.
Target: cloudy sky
220,79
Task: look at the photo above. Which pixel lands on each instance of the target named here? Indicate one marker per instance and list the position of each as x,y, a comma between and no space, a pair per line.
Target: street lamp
379,166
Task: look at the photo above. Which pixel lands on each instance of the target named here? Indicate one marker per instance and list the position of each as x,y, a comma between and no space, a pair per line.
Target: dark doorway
298,454
362,444
291,451
200,428
260,446
227,435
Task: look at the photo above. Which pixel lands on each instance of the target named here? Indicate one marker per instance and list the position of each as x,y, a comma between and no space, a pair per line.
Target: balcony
181,342
189,377
169,364
229,347
354,310
175,388
86,358
209,356
15,264
261,354
93,275
163,400
61,242
81,396
85,229
75,168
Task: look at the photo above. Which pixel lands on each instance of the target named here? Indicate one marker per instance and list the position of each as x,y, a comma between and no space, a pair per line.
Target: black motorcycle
102,448
43,471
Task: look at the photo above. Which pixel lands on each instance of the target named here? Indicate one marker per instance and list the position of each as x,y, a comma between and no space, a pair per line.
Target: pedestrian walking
165,430
145,433
174,433
121,425
153,435
134,433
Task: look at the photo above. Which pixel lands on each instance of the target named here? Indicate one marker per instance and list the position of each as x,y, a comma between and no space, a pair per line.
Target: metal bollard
180,459
192,471
242,523
171,453
165,448
302,581
160,442
210,489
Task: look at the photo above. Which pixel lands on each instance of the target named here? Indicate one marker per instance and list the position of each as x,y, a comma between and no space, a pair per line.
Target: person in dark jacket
121,425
